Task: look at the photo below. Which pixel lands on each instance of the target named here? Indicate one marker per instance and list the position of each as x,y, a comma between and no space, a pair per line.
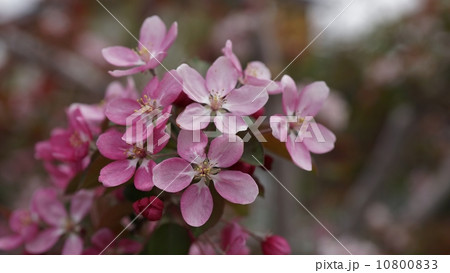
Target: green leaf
252,148
219,205
168,239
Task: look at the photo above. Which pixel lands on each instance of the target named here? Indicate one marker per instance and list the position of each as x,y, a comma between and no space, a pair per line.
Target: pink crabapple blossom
59,222
216,97
152,109
275,245
24,225
126,158
176,174
154,41
301,105
256,73
102,239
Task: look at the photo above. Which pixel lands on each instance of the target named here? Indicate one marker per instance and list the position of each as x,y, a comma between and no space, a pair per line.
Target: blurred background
384,189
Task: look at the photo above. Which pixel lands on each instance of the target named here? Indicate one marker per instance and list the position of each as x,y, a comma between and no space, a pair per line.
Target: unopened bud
275,245
149,207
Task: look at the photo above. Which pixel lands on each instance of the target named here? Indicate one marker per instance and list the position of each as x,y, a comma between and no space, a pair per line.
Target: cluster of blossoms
152,148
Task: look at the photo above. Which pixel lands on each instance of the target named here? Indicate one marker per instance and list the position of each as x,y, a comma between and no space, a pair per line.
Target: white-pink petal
312,98
191,145
117,172
44,241
170,37
225,150
121,109
111,145
299,153
152,33
229,123
80,205
321,142
236,187
221,77
73,245
173,174
194,117
121,56
290,95
143,179
246,100
193,84
196,204
49,208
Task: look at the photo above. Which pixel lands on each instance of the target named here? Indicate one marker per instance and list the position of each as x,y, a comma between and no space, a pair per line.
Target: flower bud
150,207
243,167
275,245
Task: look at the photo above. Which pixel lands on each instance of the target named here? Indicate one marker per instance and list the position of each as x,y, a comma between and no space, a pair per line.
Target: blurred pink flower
256,73
150,110
275,245
234,240
176,174
24,225
103,239
218,97
302,106
126,157
59,222
154,41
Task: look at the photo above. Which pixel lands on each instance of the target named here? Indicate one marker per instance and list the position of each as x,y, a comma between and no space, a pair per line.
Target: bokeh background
385,187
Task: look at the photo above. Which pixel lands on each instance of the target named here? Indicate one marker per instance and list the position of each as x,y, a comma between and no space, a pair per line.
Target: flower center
144,53
205,169
147,105
216,102
137,152
75,140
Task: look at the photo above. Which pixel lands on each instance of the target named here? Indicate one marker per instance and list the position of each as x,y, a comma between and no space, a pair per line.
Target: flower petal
221,77
312,98
257,70
225,150
102,238
49,208
121,56
230,124
73,245
10,242
228,52
191,145
194,117
152,33
173,174
169,88
235,186
299,153
280,126
170,37
111,145
117,172
193,84
320,144
119,110
290,95
143,179
44,241
141,68
246,100
81,204
196,204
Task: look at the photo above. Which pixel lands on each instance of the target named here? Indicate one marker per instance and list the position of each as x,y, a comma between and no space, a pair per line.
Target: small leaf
168,239
240,210
252,148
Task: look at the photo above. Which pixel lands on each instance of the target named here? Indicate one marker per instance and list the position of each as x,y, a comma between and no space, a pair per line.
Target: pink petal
73,245
196,204
138,69
169,89
299,153
312,98
170,37
111,145
229,123
194,117
221,77
234,240
49,208
290,95
119,110
152,33
228,52
117,172
151,88
315,146
143,179
102,238
246,100
235,186
173,174
127,246
10,242
192,145
116,90
225,150
193,84
44,241
280,127
121,56
257,70
81,204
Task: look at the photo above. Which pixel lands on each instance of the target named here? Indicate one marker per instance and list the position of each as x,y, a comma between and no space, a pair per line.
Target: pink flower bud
151,208
243,167
275,245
